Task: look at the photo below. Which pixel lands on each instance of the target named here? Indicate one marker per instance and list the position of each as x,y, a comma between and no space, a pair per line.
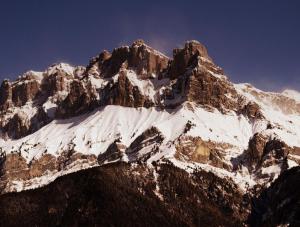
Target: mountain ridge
138,106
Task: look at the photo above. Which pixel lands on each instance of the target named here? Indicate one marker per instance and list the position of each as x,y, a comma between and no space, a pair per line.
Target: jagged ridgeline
138,108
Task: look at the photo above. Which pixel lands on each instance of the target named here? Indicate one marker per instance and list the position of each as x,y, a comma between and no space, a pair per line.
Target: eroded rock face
184,58
138,76
195,149
139,57
252,111
264,152
276,152
55,83
14,168
145,145
146,60
18,126
257,146
207,90
80,99
24,92
114,152
5,95
123,93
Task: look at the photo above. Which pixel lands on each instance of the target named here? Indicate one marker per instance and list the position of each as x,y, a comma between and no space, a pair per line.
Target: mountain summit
138,111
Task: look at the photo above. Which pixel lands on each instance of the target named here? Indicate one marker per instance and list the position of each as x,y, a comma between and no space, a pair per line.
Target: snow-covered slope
138,105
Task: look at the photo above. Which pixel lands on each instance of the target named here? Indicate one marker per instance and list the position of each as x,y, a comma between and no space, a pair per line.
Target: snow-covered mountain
138,106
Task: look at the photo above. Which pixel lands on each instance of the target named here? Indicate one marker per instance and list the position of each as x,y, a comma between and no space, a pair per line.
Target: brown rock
114,152
80,99
43,164
197,150
146,60
18,126
5,95
202,88
252,111
149,139
185,58
256,147
14,167
139,57
24,90
123,93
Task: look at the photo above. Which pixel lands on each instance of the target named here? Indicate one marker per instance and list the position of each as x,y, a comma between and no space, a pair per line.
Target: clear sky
256,41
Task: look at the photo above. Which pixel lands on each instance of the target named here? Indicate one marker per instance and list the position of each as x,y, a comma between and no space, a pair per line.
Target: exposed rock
257,146
39,120
139,57
145,145
252,111
123,93
264,152
56,83
95,66
25,90
276,152
146,61
195,149
18,126
5,95
114,152
37,168
15,168
185,58
203,88
80,99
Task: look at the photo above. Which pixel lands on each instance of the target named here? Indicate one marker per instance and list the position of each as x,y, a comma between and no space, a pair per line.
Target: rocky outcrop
123,93
56,83
252,111
25,91
276,152
204,89
14,168
145,145
195,149
146,61
257,146
80,99
18,126
114,152
139,57
264,152
184,58
5,95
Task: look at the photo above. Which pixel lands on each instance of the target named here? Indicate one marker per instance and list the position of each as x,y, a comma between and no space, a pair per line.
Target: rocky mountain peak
192,54
193,46
182,109
140,57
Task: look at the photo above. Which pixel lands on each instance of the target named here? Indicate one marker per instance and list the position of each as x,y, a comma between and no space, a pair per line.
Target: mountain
172,133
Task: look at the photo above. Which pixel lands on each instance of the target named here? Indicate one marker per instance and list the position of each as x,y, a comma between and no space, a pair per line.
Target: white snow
93,133
287,126
60,67
292,94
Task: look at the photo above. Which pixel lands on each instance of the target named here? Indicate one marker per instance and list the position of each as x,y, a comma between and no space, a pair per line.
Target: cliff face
136,105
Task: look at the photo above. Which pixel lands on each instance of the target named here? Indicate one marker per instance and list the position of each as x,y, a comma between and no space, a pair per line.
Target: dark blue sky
254,41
